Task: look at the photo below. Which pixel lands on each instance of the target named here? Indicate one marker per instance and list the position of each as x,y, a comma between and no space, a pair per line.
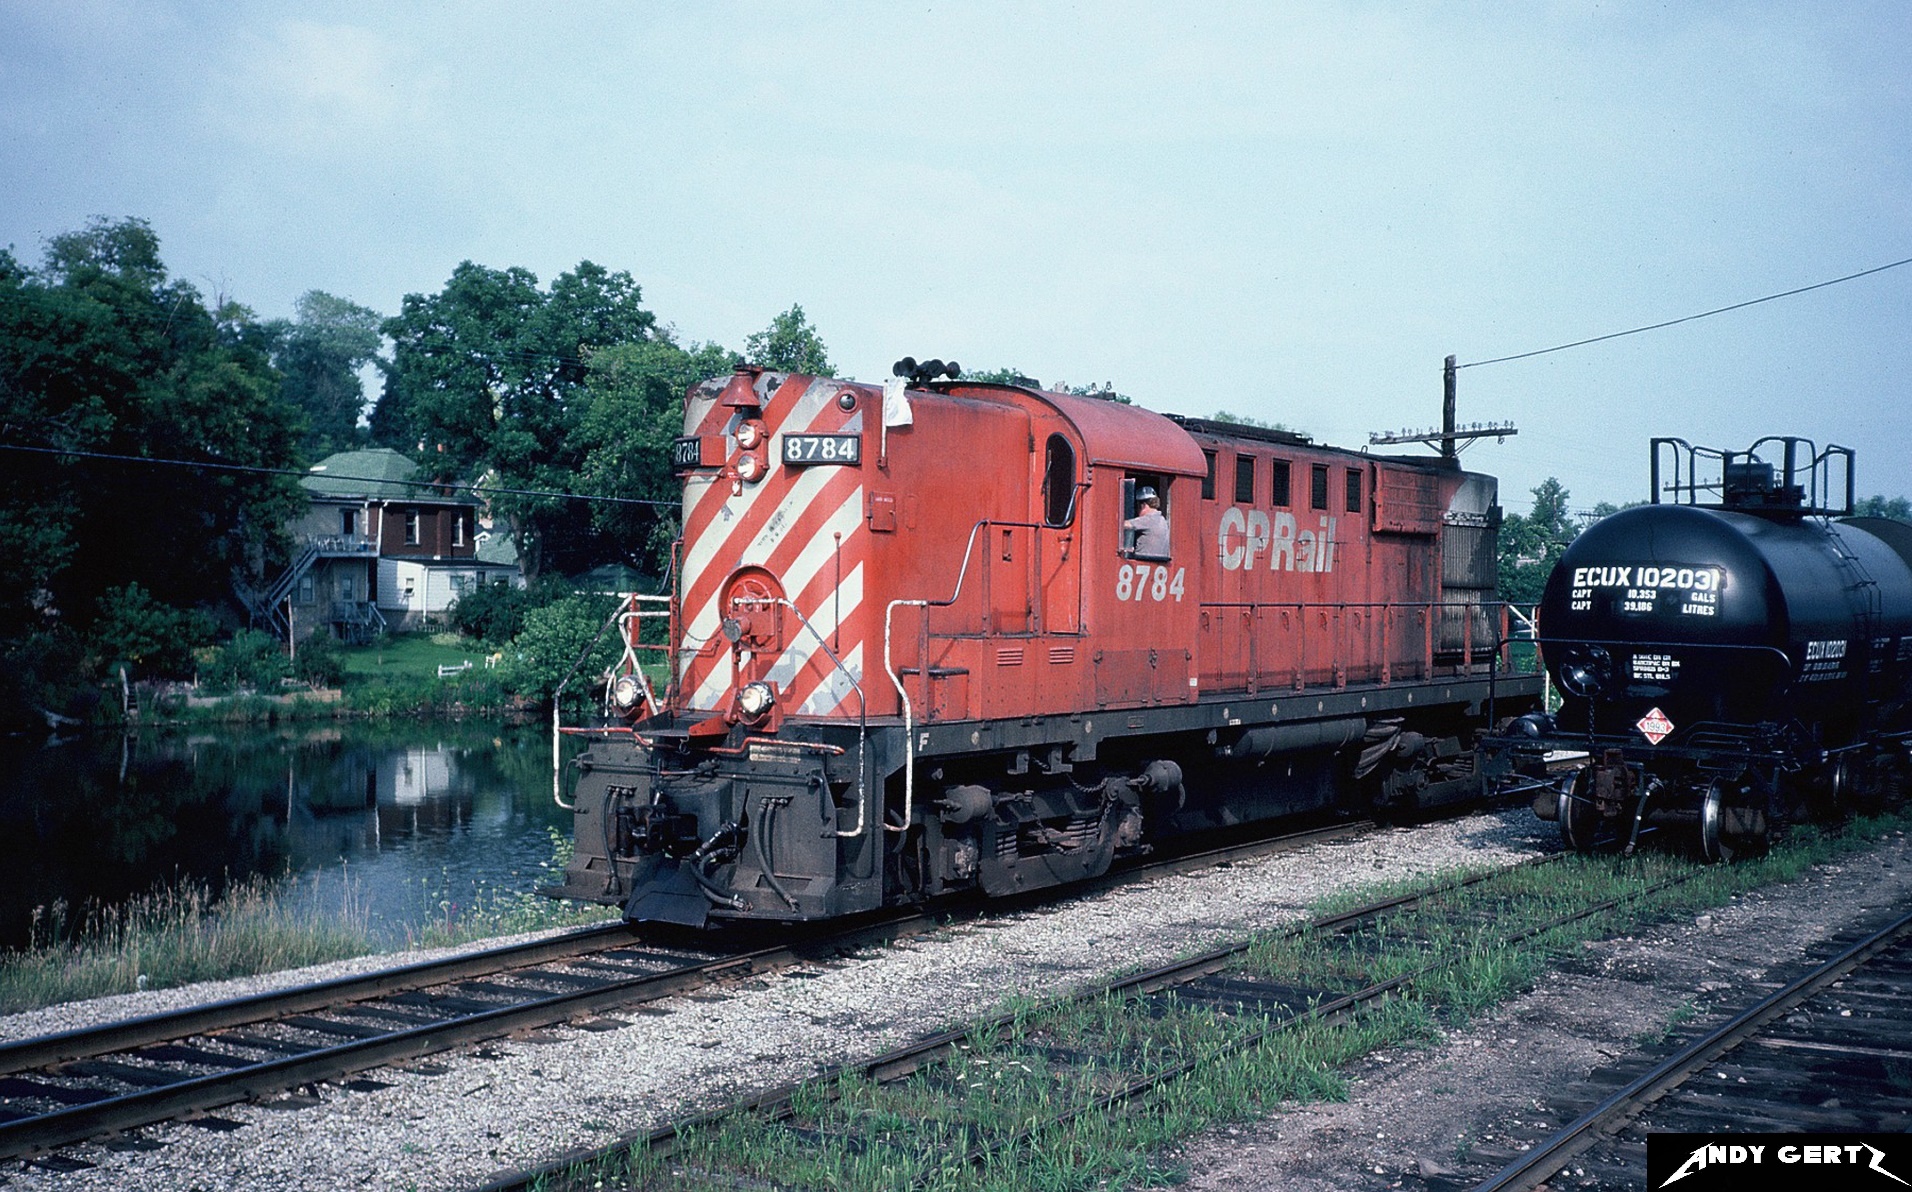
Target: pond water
401,822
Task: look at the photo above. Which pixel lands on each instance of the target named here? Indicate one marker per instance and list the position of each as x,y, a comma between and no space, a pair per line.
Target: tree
1897,508
320,356
1012,376
1530,545
488,376
790,344
1245,420
101,354
636,407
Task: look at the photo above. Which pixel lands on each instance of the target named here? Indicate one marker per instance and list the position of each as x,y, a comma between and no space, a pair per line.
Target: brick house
375,551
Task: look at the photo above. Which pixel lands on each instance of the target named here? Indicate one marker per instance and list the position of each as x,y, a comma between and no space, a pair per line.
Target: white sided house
377,551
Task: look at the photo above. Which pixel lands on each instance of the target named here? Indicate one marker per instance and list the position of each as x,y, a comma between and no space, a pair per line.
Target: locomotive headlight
749,468
749,434
755,699
626,692
1585,671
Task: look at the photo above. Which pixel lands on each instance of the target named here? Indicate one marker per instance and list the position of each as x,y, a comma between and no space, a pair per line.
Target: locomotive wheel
1578,819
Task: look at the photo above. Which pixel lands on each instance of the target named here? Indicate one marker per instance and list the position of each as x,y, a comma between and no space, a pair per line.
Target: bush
156,638
491,613
320,661
40,671
251,659
553,639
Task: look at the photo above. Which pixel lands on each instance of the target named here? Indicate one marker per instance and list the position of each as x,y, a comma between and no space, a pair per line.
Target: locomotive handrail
889,668
863,712
1467,648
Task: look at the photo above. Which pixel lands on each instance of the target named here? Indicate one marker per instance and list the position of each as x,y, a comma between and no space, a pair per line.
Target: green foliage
1015,376
101,353
790,343
1001,376
1531,544
554,645
1897,508
251,659
493,613
488,376
1245,420
159,640
41,669
636,407
320,356
1606,509
320,661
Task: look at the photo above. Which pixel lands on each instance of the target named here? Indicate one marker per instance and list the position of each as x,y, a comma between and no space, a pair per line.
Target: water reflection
401,821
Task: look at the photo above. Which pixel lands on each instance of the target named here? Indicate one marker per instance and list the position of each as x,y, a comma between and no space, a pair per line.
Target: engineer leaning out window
1145,526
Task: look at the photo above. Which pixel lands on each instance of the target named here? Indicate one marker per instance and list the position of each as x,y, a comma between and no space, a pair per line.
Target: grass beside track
1045,1102
181,934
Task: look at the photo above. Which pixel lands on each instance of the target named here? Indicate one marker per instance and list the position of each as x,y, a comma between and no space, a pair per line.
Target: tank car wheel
1579,821
1730,827
1714,847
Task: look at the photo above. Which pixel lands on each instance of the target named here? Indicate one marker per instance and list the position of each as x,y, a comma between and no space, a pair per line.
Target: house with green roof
379,548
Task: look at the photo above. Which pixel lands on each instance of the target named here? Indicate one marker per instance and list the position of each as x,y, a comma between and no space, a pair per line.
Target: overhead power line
435,485
1580,343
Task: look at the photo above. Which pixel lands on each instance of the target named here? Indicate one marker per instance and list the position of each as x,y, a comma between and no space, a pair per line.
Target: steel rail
902,1061
42,1133
1539,1164
1326,1010
35,1135
86,1042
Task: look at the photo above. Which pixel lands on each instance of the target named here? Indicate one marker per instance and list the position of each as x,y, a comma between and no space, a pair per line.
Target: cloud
302,87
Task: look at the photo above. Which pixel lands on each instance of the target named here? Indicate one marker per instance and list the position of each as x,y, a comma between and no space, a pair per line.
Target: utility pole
1452,435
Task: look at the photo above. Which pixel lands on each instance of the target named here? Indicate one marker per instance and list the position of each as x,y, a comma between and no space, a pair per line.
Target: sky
1291,212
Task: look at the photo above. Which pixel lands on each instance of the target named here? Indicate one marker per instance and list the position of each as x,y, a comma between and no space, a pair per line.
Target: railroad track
1224,983
1829,1051
95,1083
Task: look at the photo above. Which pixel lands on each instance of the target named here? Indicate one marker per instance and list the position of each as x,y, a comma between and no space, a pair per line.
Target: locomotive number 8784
937,636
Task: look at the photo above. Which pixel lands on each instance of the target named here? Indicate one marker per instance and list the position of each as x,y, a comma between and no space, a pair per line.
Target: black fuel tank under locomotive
1733,665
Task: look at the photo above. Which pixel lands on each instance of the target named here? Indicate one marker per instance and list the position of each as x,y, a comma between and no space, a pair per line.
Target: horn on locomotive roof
927,371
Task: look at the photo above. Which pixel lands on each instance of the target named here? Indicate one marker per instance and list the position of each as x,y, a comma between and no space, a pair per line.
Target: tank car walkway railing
1309,637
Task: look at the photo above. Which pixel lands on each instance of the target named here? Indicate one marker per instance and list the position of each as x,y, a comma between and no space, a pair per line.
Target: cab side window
1145,516
1059,483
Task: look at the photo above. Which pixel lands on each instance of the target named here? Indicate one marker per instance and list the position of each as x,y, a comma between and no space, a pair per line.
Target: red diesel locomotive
926,638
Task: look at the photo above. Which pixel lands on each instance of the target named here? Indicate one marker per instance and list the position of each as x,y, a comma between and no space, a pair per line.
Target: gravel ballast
1424,1118
464,1116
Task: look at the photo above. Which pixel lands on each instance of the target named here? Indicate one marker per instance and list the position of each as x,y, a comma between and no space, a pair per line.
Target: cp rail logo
1832,1162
